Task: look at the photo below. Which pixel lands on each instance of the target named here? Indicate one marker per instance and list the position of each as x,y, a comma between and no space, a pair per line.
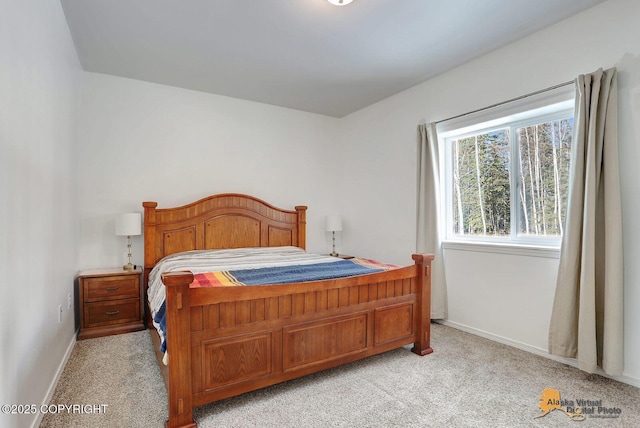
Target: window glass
545,155
481,185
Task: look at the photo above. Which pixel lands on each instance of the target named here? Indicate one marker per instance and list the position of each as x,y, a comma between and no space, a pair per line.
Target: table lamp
333,224
129,224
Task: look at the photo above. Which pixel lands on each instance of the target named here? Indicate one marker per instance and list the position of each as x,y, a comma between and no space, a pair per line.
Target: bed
225,341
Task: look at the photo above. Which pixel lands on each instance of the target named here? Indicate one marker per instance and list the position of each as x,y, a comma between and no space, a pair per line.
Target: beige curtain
587,319
428,231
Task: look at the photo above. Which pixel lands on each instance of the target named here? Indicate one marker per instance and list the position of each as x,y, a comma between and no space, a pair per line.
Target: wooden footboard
226,341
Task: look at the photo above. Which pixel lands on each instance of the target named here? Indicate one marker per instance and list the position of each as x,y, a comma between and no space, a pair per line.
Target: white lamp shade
333,223
340,2
129,224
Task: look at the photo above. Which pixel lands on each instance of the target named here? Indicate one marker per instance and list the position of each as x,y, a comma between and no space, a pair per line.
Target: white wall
141,141
40,79
505,297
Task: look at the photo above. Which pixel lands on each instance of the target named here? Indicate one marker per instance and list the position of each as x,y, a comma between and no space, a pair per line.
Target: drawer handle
111,288
111,313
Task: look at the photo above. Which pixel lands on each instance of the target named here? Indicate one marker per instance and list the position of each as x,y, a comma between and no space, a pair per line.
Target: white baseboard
52,387
534,350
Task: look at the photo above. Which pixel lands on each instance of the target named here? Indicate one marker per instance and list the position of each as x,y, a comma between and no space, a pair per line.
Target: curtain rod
551,88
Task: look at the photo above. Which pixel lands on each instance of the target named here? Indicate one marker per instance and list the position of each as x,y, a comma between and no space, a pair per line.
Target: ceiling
302,54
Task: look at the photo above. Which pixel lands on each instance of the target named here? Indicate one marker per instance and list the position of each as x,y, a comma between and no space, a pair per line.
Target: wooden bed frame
226,341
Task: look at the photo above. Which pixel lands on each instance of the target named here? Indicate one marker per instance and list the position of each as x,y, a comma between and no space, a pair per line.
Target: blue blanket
283,275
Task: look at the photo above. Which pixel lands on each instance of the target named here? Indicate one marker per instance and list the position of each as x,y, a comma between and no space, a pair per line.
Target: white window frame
548,106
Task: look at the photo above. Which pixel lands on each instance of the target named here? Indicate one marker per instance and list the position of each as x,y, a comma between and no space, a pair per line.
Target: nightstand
344,256
110,301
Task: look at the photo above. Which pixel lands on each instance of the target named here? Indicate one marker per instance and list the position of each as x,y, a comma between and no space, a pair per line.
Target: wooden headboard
228,220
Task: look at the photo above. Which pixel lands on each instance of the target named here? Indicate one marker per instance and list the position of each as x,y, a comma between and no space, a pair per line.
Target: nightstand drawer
111,288
108,313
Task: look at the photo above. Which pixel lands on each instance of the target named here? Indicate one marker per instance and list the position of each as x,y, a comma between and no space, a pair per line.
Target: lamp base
334,254
128,266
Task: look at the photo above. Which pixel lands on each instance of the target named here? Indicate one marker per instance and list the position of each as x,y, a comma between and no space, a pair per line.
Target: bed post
302,226
178,336
149,234
149,251
422,346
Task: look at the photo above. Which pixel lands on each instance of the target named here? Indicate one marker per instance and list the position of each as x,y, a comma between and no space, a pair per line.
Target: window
506,179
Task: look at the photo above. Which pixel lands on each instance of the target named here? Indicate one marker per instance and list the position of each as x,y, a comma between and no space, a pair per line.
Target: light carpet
467,382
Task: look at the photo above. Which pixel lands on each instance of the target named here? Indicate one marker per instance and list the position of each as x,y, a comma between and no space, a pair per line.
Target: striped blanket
313,268
289,274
